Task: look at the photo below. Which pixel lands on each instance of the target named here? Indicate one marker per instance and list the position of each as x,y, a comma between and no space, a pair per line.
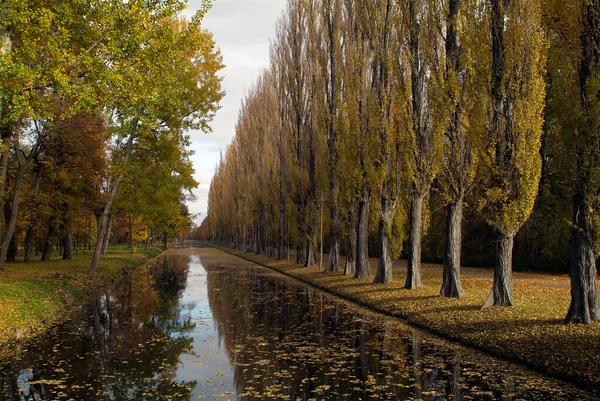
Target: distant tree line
423,127
201,232
96,97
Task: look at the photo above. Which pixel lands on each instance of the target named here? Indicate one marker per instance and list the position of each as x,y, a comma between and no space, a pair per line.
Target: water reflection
177,330
124,344
289,341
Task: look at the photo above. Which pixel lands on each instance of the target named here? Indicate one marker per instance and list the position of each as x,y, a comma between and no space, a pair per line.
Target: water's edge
12,346
539,368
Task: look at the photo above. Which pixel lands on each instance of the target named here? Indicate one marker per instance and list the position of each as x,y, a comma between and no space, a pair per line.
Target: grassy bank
32,294
531,332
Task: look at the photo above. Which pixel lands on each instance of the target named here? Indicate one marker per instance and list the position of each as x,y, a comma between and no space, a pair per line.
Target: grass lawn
531,332
32,294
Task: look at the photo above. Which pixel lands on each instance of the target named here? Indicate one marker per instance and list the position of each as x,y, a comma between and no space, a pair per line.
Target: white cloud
242,30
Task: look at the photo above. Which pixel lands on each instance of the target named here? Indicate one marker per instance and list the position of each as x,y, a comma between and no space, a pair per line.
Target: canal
201,324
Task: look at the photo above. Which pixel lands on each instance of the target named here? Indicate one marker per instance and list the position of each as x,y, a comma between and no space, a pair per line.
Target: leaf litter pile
209,326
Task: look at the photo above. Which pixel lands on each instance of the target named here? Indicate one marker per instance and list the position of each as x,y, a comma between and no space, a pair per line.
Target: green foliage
158,177
94,80
464,100
513,156
398,232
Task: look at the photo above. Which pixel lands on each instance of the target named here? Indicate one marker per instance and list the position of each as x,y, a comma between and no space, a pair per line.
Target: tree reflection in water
123,345
153,338
289,341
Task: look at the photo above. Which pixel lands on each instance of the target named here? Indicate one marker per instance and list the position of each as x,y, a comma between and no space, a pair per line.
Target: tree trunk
103,221
334,243
130,234
88,234
502,291
333,261
451,286
148,240
334,236
309,252
66,230
363,268
11,255
165,240
49,244
281,245
106,239
6,137
10,229
265,239
413,276
350,267
28,244
33,216
66,244
301,246
258,241
584,306
300,254
384,266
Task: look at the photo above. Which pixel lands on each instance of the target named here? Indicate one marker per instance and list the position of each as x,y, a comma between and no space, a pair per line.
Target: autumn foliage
96,99
445,130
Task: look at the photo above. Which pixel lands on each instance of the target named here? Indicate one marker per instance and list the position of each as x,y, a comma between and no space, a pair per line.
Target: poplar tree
316,107
296,78
382,14
426,127
465,79
361,109
574,115
585,137
278,69
331,15
517,91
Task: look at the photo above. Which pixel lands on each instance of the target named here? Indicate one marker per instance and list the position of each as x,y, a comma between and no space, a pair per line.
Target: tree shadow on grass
416,298
350,284
502,325
452,308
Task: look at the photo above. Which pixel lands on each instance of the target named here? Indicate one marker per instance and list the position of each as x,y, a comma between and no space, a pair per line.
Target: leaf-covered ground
33,294
531,332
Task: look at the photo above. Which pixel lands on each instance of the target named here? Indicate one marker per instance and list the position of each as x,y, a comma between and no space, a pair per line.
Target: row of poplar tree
368,105
96,97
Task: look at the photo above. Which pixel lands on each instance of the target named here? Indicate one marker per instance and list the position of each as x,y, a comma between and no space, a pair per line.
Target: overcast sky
242,30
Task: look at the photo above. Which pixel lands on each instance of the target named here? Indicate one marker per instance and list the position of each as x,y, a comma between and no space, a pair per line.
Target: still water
199,324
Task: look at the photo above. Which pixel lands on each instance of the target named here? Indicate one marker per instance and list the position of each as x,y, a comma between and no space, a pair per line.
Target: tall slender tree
425,133
517,91
331,10
383,17
574,71
465,79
